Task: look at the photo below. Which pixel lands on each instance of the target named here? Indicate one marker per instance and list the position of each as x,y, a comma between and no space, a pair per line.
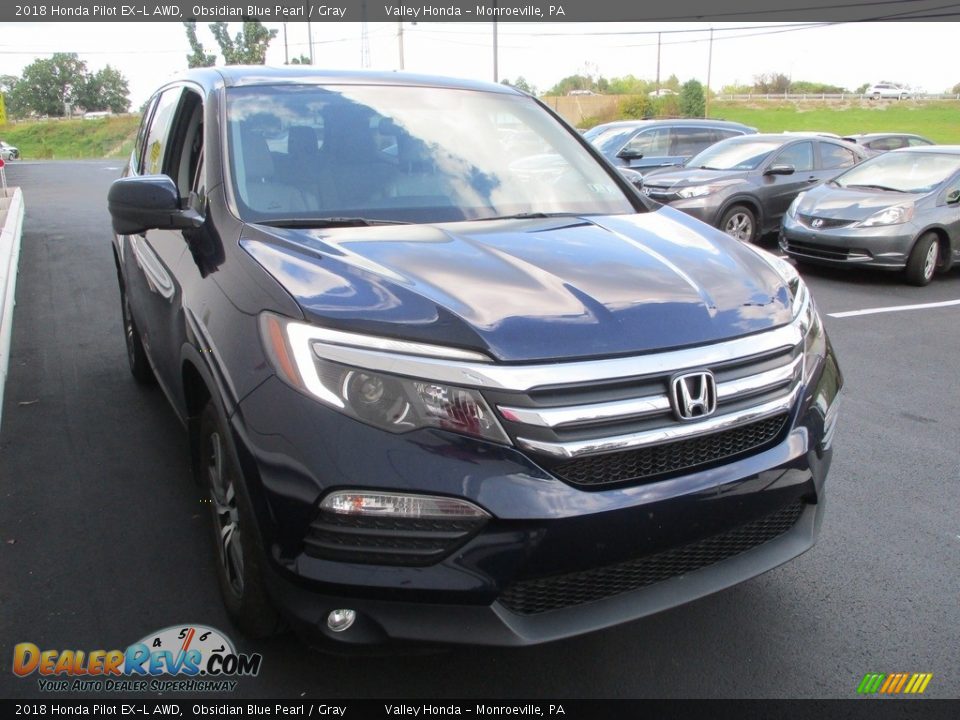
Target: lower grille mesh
651,462
531,597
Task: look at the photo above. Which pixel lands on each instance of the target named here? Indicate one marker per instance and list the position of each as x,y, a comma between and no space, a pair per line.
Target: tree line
62,84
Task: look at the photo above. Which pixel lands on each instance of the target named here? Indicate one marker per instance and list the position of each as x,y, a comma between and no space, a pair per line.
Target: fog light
340,620
397,505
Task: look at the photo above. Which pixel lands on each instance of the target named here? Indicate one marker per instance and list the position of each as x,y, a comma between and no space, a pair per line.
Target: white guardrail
11,212
828,96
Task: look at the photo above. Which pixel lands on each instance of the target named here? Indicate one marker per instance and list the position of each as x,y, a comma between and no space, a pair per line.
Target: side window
799,155
918,142
723,134
885,144
142,134
185,144
650,143
691,140
158,136
833,156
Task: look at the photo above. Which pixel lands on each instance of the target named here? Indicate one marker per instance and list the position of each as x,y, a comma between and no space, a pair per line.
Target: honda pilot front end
439,392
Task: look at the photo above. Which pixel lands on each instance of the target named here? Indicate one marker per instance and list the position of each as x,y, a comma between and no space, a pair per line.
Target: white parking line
893,308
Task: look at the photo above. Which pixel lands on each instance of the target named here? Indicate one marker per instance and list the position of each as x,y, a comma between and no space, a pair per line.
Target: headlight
389,402
792,210
696,191
890,216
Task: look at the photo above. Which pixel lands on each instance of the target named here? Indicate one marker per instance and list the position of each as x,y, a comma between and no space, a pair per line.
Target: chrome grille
625,430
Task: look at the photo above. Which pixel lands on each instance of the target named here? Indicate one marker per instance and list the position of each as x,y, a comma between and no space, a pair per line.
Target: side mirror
148,202
627,154
953,197
780,170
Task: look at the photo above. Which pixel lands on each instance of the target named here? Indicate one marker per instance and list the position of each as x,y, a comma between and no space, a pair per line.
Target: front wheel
136,354
922,264
740,222
234,534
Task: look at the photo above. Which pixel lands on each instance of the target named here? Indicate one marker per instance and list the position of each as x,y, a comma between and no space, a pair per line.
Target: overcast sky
918,54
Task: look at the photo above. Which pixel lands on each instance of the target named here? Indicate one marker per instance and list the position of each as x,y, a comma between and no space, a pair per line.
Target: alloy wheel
740,226
224,499
930,262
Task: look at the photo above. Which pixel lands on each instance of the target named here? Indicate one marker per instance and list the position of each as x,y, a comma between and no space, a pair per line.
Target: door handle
812,179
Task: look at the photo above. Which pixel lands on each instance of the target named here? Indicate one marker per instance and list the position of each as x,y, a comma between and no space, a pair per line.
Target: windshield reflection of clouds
422,154
903,171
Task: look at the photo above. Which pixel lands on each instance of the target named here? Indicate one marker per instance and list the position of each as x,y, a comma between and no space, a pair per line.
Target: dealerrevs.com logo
200,659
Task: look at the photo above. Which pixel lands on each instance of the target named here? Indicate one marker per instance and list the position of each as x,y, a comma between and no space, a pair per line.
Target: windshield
406,154
611,140
734,154
907,172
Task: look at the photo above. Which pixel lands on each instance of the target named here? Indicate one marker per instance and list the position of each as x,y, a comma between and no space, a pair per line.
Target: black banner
475,11
406,709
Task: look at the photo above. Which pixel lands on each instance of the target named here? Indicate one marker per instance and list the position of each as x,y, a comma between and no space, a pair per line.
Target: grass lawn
939,121
69,139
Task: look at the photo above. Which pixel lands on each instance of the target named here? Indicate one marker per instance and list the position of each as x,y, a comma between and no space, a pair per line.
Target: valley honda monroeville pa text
441,391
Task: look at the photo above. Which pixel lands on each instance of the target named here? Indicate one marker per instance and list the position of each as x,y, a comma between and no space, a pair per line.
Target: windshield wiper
876,187
529,215
328,222
707,167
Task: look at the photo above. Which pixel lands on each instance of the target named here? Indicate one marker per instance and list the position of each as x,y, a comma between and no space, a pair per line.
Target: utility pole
400,41
658,64
310,40
706,108
496,74
286,50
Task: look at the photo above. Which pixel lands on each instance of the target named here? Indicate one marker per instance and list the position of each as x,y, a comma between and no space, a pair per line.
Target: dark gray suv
744,185
645,145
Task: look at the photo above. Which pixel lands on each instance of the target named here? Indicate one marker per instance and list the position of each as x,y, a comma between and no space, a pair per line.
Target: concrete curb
9,259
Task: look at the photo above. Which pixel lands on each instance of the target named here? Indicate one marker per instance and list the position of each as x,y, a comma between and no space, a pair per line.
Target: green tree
861,89
247,47
197,57
692,100
955,89
302,60
520,84
48,85
629,85
636,107
771,83
8,84
105,89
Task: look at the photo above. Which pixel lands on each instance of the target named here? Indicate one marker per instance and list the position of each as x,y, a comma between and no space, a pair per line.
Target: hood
854,204
530,289
693,176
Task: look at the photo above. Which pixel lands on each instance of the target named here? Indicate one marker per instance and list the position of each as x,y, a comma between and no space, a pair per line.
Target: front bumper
544,533
886,246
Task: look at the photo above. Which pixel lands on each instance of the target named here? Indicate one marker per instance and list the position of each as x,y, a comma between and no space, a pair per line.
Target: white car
887,90
8,151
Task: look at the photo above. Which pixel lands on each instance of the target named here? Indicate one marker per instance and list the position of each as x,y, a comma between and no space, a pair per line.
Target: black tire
136,355
234,533
740,222
924,260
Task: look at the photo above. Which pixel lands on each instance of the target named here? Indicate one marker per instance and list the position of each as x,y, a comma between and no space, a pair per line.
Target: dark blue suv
437,391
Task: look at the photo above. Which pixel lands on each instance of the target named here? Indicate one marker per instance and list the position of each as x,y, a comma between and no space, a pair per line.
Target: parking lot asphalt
103,538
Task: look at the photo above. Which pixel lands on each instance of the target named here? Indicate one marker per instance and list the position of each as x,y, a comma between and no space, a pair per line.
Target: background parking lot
103,538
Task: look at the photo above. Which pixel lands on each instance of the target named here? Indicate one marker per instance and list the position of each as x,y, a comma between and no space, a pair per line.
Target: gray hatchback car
899,211
744,185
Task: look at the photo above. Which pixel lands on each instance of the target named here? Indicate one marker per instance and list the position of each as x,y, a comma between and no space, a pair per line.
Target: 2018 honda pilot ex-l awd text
435,397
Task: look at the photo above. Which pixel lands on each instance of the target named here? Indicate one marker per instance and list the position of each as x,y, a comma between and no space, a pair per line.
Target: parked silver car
8,151
899,210
887,90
